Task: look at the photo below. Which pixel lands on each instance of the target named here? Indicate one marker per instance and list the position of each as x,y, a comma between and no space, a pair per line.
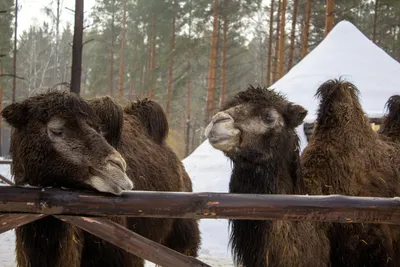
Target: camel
391,122
256,131
62,140
345,156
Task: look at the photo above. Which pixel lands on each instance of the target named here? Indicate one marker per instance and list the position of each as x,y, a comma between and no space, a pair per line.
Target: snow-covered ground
210,171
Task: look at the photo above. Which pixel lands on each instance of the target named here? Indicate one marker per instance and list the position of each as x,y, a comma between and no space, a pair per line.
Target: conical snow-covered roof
348,53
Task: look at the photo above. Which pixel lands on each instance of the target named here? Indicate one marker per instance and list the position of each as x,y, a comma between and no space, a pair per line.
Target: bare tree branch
88,41
12,75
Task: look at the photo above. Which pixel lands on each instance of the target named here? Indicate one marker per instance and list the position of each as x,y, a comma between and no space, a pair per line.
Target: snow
345,53
348,53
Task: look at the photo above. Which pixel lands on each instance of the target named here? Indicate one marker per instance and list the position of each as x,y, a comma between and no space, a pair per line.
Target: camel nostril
117,160
222,117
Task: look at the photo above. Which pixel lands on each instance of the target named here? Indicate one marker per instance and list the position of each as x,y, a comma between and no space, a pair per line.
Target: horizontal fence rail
333,208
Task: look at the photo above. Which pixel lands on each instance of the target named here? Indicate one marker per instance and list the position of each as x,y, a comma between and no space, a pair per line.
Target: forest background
188,55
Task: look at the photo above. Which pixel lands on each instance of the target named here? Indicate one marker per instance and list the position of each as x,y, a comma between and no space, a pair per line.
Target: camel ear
295,115
16,114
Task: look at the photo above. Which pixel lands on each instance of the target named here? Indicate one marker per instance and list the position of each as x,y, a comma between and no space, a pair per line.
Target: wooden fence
89,211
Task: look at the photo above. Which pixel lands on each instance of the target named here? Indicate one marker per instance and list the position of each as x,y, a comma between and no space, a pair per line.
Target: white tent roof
345,52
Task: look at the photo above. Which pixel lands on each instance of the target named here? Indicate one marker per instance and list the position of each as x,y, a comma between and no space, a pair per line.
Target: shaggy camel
59,140
255,130
345,156
391,122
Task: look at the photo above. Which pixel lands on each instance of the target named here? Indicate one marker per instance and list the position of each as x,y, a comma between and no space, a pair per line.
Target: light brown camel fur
345,156
61,140
256,130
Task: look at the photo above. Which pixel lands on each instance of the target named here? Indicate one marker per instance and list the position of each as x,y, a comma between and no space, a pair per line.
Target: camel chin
111,180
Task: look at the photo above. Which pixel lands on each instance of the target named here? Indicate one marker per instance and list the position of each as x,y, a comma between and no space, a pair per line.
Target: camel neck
269,178
248,178
47,242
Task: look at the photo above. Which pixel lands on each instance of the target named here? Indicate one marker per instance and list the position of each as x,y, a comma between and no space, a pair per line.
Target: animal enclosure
89,211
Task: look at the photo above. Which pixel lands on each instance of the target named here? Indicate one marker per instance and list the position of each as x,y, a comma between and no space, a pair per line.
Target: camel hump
152,116
334,88
391,122
111,116
393,104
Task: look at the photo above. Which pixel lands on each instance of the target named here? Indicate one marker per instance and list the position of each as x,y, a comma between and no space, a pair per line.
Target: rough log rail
333,208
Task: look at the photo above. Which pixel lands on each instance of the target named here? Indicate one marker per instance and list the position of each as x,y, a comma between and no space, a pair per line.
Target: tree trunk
375,21
213,57
140,89
112,50
293,33
14,88
57,48
121,54
306,33
189,84
153,58
149,47
77,49
132,81
1,108
282,40
188,110
276,61
224,52
330,4
271,31
171,63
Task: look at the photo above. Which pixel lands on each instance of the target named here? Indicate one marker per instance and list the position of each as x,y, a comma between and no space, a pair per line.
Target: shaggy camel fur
391,122
345,156
59,140
256,130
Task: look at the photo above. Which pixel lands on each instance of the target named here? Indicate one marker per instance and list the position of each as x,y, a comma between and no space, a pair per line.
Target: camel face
254,119
59,142
107,173
234,127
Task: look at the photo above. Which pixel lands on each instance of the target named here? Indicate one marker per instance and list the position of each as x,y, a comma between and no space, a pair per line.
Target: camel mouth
110,179
222,136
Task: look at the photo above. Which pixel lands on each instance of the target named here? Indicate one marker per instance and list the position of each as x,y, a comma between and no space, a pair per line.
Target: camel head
252,121
58,141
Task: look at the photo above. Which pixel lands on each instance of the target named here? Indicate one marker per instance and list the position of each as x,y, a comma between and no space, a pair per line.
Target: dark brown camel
345,156
391,122
256,130
60,140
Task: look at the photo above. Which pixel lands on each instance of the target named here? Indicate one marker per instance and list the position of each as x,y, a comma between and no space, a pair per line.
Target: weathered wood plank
132,242
10,221
7,181
332,208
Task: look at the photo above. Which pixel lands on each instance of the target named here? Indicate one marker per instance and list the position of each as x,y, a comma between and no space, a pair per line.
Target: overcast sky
31,11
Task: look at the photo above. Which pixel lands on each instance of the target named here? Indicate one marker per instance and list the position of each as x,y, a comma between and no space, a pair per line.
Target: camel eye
55,134
269,119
